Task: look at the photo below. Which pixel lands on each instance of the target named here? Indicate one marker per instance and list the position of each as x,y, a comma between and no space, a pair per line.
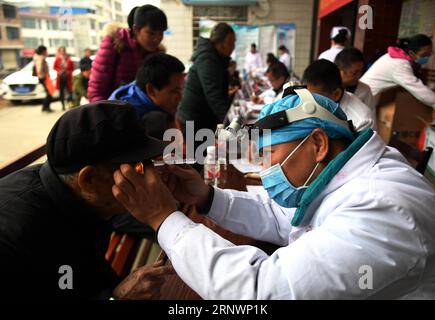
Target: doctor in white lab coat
363,225
395,68
323,77
350,61
253,62
278,76
339,37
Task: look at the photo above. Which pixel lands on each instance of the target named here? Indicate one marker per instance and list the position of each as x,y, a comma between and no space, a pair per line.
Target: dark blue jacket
132,94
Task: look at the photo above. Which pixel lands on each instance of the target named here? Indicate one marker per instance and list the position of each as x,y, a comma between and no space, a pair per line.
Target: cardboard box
400,111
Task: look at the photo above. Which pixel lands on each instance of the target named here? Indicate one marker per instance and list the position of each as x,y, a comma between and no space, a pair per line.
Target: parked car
21,85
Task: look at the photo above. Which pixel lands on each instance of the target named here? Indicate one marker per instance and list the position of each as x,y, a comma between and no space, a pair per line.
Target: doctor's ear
321,144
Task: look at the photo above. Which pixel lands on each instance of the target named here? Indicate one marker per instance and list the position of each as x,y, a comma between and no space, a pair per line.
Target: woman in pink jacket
122,50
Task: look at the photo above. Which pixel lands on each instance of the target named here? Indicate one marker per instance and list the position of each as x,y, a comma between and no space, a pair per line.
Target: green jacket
205,98
79,89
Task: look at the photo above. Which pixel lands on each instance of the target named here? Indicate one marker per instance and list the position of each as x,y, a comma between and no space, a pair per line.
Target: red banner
27,52
328,6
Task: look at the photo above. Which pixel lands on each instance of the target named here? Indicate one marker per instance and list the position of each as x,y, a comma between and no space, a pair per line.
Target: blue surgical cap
302,128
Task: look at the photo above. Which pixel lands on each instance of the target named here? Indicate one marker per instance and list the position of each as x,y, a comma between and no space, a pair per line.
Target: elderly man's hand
145,196
144,283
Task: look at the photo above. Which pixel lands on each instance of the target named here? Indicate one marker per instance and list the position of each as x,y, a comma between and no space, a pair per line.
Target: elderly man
363,225
54,217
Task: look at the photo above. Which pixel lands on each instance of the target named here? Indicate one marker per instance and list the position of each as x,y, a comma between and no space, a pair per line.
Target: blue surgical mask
279,188
422,60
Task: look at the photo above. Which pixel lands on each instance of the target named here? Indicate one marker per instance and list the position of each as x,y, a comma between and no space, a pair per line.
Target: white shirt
286,60
376,211
270,96
388,72
331,53
361,115
253,62
364,93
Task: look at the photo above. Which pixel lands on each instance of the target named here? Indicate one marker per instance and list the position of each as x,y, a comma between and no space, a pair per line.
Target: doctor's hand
144,283
186,184
145,196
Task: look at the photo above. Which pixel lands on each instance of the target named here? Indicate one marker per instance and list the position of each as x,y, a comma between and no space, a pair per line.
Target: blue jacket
132,94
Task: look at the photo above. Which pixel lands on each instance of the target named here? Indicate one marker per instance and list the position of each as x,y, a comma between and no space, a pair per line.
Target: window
29,23
54,25
92,24
50,42
41,41
12,33
102,24
119,18
94,40
118,6
0,33
31,42
9,12
227,14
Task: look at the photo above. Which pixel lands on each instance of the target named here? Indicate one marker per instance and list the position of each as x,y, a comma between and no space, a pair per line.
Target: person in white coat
278,75
284,57
339,37
350,61
323,77
363,225
253,62
395,68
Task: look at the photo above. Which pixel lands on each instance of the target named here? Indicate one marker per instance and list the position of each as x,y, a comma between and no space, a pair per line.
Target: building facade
11,42
183,17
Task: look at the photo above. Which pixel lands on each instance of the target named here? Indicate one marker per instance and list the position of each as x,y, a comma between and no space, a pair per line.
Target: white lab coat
253,62
388,72
377,211
364,93
270,96
361,115
331,53
286,60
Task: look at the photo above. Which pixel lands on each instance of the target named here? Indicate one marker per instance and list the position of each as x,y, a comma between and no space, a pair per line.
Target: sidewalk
24,128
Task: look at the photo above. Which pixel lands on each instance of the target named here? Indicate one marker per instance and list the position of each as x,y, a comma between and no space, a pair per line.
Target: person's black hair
347,57
323,73
253,45
278,69
341,37
40,50
157,70
147,15
414,43
283,48
220,32
270,58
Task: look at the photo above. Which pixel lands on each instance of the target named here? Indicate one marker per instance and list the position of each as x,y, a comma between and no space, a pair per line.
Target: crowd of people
338,197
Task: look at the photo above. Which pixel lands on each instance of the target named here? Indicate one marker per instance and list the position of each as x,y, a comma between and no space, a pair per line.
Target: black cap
97,133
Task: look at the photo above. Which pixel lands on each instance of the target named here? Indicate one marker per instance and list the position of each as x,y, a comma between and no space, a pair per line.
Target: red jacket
69,71
115,64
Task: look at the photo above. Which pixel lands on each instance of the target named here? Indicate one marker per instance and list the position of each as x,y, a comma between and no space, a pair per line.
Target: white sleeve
327,263
250,215
404,76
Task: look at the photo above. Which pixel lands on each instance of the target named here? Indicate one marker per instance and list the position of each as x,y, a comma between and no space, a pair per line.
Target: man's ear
150,90
87,181
337,94
321,143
